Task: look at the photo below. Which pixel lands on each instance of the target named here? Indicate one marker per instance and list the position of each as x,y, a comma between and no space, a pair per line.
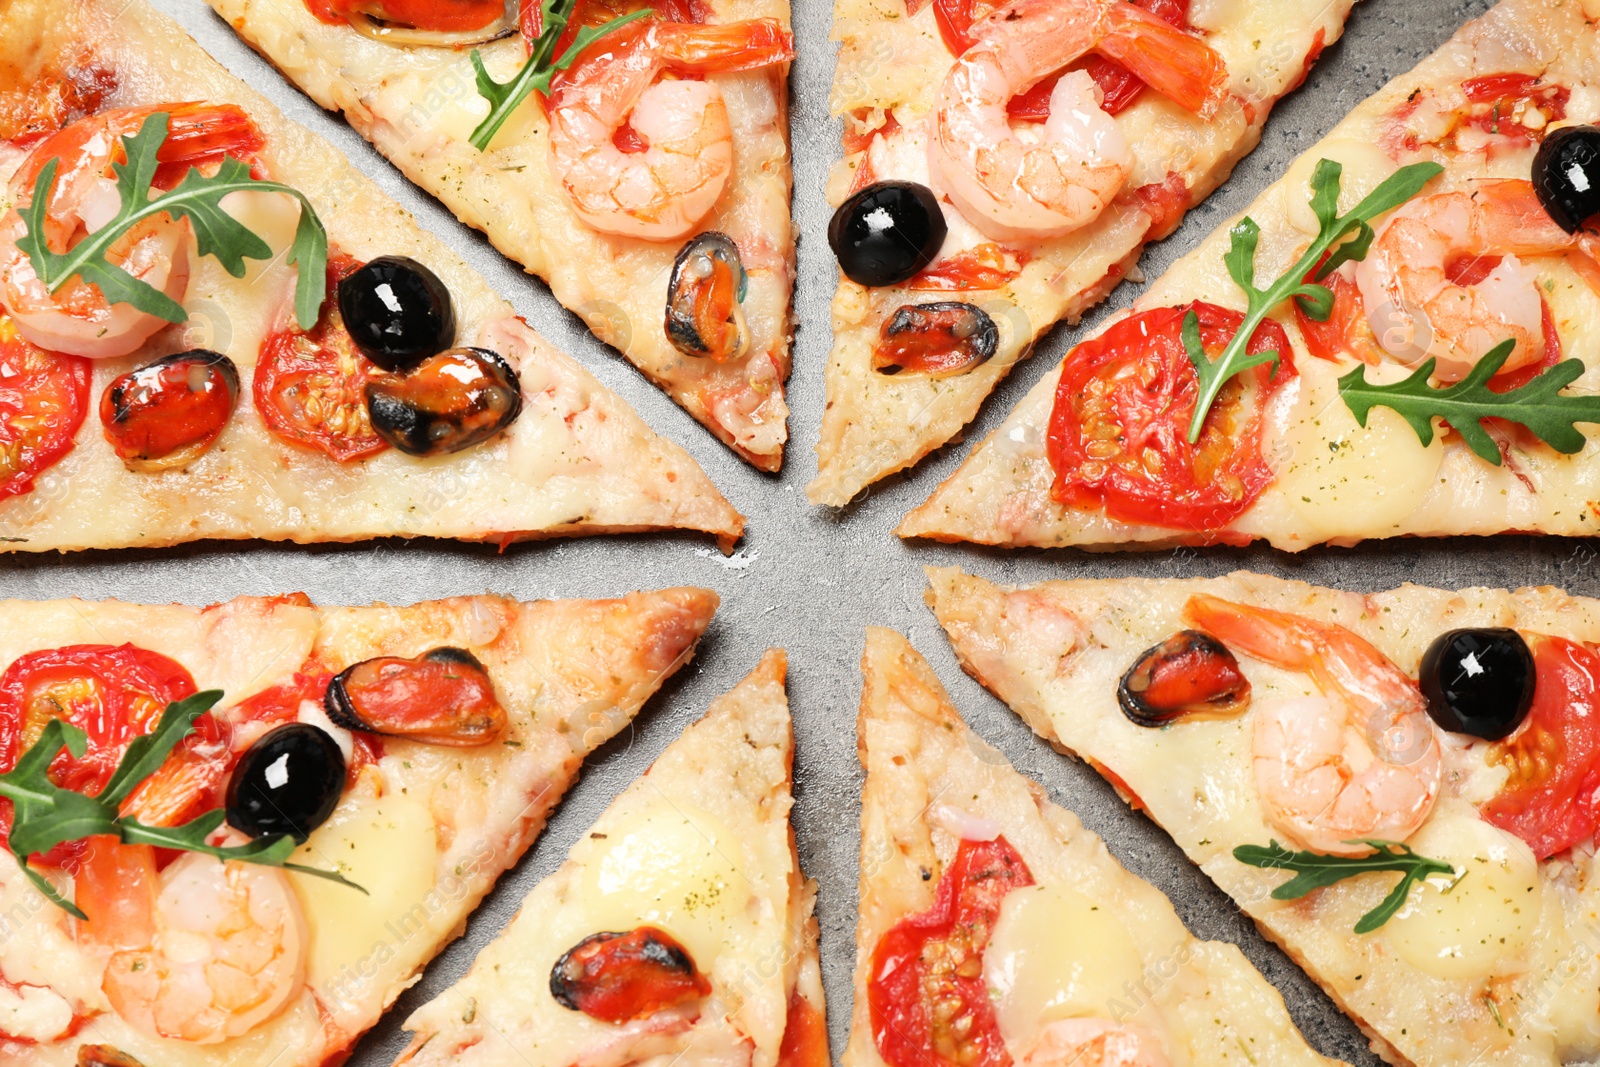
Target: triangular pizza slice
970,221
292,357
1398,788
648,182
678,930
995,929
415,752
1417,386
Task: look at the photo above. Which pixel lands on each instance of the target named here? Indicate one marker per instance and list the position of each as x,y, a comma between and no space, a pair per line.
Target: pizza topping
887,232
936,340
927,991
704,294
1566,175
1313,871
442,697
43,399
1478,682
618,978
397,311
287,782
165,414
450,402
105,1056
1190,674
419,23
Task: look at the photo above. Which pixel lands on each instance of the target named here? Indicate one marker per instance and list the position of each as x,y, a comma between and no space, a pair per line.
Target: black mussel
887,232
618,978
1190,674
937,340
1478,682
704,317
105,1056
1566,175
451,401
287,782
442,697
166,413
397,311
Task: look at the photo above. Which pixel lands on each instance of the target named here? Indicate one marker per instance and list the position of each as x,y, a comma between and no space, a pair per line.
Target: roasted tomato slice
805,1035
1506,97
1119,430
618,978
310,387
43,399
928,1002
1552,798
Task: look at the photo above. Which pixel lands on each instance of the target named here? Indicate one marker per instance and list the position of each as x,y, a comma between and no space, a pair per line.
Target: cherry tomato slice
43,399
985,266
310,387
1552,798
927,999
1119,429
805,1035
1503,92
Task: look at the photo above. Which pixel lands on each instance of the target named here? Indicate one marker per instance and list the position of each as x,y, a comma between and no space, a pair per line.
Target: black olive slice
887,232
397,312
287,782
1478,682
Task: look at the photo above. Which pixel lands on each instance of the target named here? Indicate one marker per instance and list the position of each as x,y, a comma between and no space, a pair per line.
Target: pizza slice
1398,788
678,930
995,929
272,348
970,221
645,179
1381,347
413,753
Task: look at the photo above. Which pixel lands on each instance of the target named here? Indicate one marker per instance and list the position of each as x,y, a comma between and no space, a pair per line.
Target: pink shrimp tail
1178,65
1271,636
721,49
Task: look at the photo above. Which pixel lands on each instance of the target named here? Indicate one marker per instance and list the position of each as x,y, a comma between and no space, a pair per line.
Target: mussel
105,1056
442,697
1190,674
449,402
165,414
618,978
936,340
703,297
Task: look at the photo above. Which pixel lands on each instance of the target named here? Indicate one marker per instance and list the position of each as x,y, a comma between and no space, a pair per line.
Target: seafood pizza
234,834
1005,165
678,930
1396,339
211,326
632,153
1400,789
995,929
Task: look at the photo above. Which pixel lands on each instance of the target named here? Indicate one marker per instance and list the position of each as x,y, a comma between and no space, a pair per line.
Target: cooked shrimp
1094,1043
77,318
1018,187
1359,762
202,951
680,155
1415,308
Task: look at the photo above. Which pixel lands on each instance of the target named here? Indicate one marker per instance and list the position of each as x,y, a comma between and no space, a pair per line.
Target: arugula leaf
1539,405
197,198
541,66
45,815
1340,237
1313,870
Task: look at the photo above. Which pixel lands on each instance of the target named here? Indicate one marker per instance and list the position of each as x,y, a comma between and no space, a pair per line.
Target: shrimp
1017,187
77,318
1415,307
1086,1042
202,951
1361,761
661,192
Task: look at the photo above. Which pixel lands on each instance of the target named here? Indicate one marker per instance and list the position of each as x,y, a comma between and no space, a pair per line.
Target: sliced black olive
442,697
451,401
1478,682
287,782
937,340
887,232
1566,175
618,978
398,312
1190,674
167,413
703,297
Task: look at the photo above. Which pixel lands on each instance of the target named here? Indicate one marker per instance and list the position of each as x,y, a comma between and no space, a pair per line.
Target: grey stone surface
810,579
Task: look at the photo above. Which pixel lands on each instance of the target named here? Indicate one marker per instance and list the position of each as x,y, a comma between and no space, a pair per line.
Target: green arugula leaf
1314,870
1539,405
1341,238
197,198
541,66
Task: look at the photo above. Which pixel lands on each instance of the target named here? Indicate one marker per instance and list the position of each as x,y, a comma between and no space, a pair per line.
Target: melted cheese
1364,164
